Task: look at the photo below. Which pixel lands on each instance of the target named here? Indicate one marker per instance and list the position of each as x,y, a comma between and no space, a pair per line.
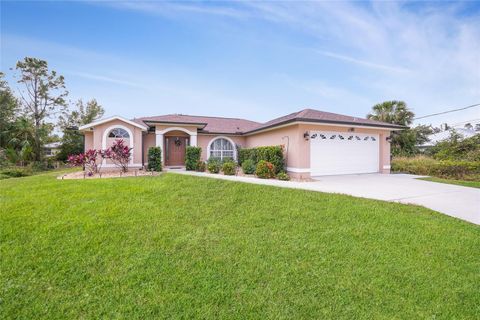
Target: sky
254,60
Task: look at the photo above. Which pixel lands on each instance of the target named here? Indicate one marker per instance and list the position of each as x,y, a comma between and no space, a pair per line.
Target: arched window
222,149
118,133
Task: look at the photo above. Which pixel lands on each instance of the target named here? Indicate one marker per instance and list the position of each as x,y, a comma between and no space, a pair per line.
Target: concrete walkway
456,201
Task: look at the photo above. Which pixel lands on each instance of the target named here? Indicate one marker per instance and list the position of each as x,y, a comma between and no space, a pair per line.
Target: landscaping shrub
247,154
272,154
119,153
248,166
155,159
449,169
265,170
229,168
87,160
283,176
192,157
15,172
214,165
456,148
200,166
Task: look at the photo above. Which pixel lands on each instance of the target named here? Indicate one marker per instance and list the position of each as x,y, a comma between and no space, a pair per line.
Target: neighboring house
316,142
435,138
51,149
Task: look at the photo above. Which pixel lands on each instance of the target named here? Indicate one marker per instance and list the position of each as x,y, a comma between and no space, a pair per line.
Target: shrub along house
315,142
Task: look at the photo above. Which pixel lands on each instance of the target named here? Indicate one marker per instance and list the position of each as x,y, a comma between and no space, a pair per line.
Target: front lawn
179,246
473,184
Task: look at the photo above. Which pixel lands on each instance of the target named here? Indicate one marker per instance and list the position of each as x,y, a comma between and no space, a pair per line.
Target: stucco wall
204,140
289,137
88,140
148,141
100,130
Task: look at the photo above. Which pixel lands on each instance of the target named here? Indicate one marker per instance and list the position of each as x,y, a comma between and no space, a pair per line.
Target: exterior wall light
351,129
306,136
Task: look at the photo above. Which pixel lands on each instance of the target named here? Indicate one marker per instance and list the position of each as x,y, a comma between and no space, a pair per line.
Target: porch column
159,143
193,140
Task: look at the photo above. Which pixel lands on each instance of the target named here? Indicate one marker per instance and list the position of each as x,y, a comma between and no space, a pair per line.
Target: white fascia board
96,123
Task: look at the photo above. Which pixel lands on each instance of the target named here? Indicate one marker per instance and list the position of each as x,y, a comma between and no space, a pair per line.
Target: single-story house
315,142
52,149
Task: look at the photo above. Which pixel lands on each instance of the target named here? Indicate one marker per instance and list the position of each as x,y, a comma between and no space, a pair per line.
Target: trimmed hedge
155,159
272,154
450,169
192,157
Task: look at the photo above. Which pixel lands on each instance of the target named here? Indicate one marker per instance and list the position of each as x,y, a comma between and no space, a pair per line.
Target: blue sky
255,60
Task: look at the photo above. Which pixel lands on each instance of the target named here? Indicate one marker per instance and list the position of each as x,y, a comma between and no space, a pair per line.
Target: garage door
343,153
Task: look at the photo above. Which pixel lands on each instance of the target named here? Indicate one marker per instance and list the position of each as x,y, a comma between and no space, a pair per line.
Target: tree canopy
42,95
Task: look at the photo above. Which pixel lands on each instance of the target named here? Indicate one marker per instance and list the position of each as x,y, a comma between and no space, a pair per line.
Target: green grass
186,247
473,184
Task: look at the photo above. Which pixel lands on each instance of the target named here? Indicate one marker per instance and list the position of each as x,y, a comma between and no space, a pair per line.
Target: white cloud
428,56
363,62
106,79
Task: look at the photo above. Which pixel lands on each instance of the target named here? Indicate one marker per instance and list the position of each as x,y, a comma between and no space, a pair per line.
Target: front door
175,151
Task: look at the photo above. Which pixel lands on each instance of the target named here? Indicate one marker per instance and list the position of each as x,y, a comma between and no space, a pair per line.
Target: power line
465,122
444,112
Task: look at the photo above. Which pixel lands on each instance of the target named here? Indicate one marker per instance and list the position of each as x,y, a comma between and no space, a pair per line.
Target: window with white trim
118,133
222,149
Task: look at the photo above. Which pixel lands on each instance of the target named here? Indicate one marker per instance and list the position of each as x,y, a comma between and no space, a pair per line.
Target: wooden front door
175,151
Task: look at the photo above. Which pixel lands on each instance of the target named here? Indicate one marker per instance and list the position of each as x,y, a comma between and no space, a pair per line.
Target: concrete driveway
456,201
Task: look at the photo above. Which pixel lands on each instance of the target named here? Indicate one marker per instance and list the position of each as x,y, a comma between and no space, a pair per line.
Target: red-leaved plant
88,160
119,153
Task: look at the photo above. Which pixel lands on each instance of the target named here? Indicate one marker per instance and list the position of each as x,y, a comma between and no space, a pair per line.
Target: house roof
53,145
317,116
96,123
220,125
206,124
242,126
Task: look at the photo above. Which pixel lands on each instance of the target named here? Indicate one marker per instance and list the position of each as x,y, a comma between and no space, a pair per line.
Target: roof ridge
189,115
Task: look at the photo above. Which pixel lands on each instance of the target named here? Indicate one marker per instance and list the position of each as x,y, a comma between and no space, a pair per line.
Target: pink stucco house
315,142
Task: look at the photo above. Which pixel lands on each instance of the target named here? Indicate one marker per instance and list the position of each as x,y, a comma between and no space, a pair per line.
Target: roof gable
101,121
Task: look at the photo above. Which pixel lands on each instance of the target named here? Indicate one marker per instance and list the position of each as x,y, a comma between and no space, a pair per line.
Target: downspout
286,151
143,149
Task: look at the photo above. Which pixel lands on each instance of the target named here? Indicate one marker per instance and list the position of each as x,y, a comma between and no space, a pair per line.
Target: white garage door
343,153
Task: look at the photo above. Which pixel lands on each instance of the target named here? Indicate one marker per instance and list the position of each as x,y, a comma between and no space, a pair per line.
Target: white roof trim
96,123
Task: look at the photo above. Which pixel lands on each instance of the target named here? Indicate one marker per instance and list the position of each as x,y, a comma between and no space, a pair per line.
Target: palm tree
393,111
21,140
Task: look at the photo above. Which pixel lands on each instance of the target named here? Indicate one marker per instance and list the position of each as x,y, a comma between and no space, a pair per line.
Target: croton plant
118,153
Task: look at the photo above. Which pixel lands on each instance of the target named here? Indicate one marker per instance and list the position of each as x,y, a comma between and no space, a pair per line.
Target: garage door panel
343,153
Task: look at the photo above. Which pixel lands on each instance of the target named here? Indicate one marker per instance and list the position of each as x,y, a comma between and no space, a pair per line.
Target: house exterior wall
289,137
298,153
88,140
203,141
136,137
148,141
